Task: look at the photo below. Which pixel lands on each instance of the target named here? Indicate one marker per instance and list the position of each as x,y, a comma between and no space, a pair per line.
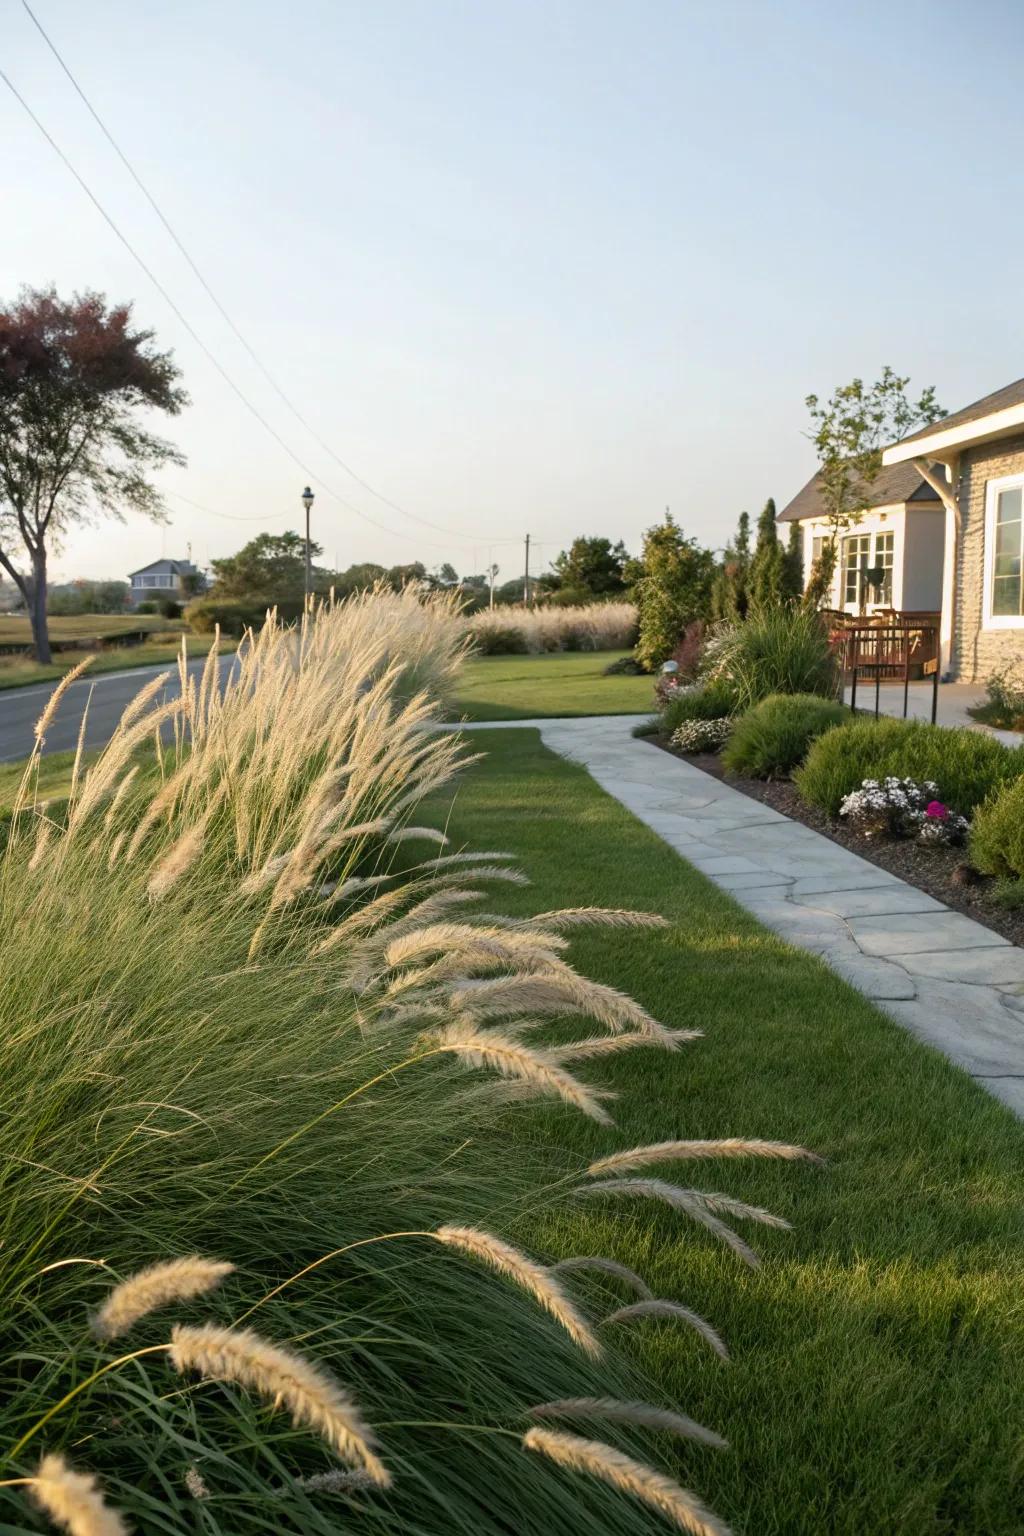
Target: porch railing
895,648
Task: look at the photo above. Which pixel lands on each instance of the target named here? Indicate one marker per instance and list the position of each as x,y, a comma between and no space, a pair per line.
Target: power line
271,380
253,410
230,516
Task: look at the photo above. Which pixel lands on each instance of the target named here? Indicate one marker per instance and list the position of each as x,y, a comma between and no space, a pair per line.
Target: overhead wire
182,318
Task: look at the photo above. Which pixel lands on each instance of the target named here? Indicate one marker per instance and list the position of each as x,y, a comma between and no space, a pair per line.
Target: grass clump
997,833
263,1056
532,631
965,765
774,650
713,700
773,738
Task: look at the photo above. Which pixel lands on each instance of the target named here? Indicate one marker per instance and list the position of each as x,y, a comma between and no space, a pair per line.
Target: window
856,559
884,544
1004,588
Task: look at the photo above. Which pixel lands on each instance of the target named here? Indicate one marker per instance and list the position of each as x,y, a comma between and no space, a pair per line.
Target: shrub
146,607
1004,706
170,609
234,615
625,666
708,701
532,631
702,735
771,739
777,650
672,589
966,765
997,832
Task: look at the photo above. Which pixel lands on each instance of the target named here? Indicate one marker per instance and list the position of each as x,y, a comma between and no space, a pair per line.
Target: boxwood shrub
966,765
773,738
712,701
997,832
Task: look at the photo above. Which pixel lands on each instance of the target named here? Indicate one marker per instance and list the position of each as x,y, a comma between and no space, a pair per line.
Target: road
20,708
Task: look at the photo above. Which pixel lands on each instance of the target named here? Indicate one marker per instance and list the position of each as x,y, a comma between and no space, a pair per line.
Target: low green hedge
965,765
997,832
710,702
773,738
237,614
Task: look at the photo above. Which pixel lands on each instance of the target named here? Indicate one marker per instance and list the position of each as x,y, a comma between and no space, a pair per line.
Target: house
163,579
974,460
898,539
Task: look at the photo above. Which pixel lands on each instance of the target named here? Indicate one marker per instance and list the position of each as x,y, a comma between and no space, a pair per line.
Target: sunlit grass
877,1373
526,687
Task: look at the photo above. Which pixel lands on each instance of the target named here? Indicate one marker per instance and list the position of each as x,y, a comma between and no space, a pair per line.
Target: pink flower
936,810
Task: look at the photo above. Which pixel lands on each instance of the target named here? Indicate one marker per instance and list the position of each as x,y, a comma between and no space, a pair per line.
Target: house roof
897,483
999,400
183,567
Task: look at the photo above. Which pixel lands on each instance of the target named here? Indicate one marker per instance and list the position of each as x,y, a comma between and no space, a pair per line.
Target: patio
954,700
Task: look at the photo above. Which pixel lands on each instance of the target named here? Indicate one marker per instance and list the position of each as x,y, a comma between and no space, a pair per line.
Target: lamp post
307,501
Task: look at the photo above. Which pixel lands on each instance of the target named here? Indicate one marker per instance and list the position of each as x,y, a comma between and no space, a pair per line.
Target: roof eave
940,444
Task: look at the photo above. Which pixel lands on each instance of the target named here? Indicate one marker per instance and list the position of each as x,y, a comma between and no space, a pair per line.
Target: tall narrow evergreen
793,565
765,587
729,592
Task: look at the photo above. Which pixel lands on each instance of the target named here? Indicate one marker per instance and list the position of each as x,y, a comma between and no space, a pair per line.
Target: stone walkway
950,981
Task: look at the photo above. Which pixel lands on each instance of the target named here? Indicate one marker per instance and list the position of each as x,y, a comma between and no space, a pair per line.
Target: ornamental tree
75,377
849,432
671,587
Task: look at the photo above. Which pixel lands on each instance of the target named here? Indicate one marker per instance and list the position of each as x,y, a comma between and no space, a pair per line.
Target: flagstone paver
952,982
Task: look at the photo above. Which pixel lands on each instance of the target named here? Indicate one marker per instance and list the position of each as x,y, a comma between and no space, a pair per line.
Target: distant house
175,579
898,539
974,461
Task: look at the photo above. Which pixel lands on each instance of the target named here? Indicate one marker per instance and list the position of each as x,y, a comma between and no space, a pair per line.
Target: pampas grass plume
311,1397
73,1500
636,1478
486,1048
156,1286
607,1266
533,1277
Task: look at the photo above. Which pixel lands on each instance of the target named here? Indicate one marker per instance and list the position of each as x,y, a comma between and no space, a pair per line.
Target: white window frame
990,620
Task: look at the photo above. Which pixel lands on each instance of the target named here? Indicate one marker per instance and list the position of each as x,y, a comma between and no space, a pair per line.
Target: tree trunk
37,609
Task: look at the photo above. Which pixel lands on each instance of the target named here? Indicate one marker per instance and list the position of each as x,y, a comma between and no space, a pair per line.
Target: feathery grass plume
609,1045
42,842
338,1480
194,1483
176,862
448,938
644,1414
417,834
73,1500
119,793
52,705
673,1151
311,1397
156,1286
485,1048
533,1277
680,1200
643,1482
656,1307
608,1267
597,917
556,990
725,1205
445,861
137,705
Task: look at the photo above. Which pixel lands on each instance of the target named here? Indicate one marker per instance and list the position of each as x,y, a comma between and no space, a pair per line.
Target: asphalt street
106,696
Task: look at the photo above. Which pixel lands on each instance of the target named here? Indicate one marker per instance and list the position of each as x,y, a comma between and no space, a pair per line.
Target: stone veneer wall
978,652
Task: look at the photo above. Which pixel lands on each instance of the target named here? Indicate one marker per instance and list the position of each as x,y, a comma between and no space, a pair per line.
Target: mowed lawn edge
877,1372
563,683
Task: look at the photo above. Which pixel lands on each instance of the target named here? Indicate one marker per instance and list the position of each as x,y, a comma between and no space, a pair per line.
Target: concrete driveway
20,708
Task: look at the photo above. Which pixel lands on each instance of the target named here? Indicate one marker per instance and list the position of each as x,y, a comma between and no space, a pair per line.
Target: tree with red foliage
74,375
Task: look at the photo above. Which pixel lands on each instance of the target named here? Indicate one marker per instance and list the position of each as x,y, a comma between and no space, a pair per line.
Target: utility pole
526,574
492,571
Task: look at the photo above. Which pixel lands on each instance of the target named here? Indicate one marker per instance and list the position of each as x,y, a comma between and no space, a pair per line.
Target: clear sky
527,265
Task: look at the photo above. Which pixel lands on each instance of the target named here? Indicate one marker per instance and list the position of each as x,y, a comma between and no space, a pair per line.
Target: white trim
998,424
990,620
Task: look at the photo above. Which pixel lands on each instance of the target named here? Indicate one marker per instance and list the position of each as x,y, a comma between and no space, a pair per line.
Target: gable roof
897,483
182,567
998,400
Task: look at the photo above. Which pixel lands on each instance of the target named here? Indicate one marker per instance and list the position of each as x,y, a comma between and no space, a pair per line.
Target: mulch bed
940,872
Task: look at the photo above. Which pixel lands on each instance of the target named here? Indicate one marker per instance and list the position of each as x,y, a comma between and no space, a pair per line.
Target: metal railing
891,648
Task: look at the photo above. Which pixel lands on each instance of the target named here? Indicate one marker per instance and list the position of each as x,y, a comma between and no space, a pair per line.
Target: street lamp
307,501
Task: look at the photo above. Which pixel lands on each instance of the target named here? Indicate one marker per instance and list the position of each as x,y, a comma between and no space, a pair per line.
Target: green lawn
877,1378
163,649
566,683
16,628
